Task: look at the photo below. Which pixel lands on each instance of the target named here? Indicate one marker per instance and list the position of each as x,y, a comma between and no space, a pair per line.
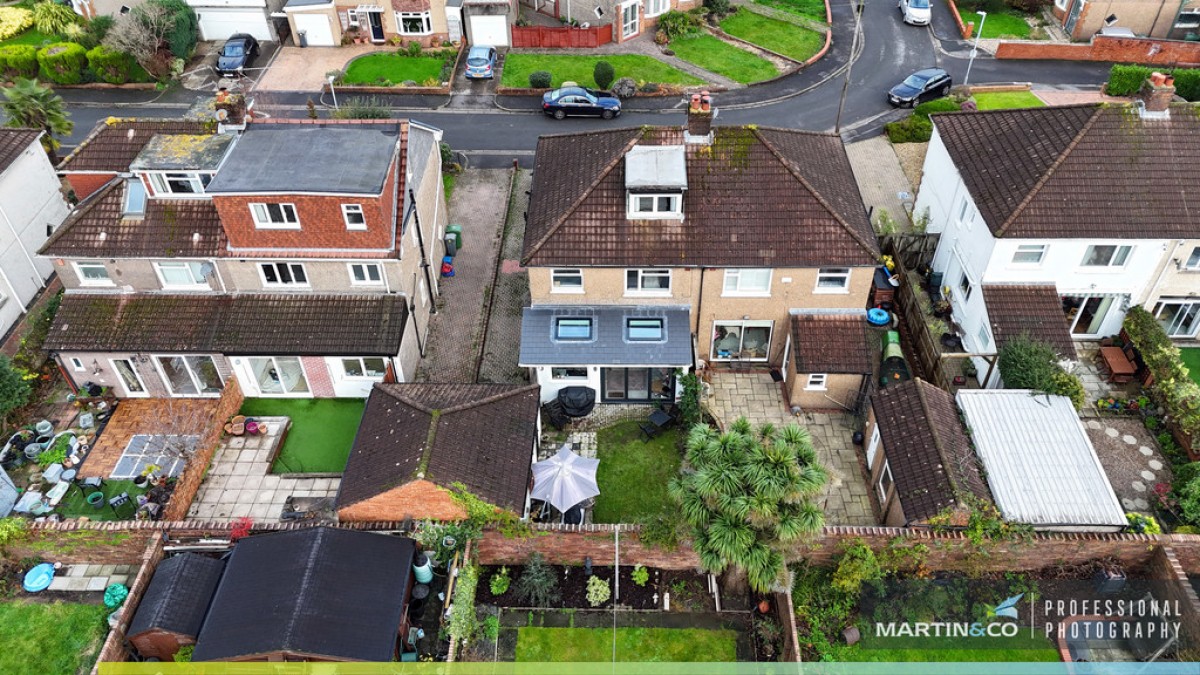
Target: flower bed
572,588
1171,385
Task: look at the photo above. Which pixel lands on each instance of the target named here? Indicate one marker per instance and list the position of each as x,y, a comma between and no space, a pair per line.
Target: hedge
1126,80
18,61
1172,387
62,62
185,28
109,65
917,127
14,21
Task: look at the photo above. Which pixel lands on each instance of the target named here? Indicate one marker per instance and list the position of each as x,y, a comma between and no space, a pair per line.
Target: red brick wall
1147,51
85,184
318,376
570,544
193,474
419,500
963,29
1165,566
114,645
72,542
321,223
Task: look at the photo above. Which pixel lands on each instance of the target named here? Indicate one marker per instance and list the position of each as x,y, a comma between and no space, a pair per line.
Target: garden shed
172,610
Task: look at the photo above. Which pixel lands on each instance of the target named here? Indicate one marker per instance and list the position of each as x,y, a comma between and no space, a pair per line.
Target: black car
580,101
921,86
237,55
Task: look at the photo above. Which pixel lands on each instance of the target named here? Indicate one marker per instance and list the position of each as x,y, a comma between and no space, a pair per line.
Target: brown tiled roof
831,343
482,436
1079,171
114,143
1035,310
755,198
928,452
259,323
166,230
13,142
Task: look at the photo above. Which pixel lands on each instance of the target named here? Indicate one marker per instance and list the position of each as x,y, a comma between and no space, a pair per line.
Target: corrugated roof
1039,462
609,346
178,596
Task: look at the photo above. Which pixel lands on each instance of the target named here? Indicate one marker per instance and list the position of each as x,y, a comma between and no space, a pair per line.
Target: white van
915,12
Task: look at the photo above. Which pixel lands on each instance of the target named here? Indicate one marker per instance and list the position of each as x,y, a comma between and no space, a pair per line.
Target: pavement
92,578
304,68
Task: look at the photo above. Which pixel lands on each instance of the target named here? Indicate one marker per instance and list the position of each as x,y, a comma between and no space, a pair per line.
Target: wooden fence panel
561,37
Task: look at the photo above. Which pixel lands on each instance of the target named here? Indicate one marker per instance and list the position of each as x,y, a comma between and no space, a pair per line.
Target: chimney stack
1156,94
700,118
232,111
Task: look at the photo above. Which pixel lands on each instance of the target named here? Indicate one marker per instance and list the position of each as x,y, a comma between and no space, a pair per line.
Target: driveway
304,68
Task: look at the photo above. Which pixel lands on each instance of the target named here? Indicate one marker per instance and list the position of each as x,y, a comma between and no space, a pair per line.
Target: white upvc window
885,482
965,213
1106,256
1029,254
277,274
274,216
179,182
650,206
92,274
1193,261
414,23
181,274
569,373
964,286
365,367
566,280
365,274
354,217
817,382
77,364
648,282
190,375
352,17
833,280
135,197
656,7
747,282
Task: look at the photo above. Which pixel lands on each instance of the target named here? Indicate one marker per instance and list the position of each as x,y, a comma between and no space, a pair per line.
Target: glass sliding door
638,385
190,375
1086,313
279,375
741,340
1179,318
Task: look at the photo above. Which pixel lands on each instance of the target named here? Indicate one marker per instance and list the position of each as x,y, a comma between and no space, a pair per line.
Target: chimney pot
700,117
1156,94
1157,78
695,105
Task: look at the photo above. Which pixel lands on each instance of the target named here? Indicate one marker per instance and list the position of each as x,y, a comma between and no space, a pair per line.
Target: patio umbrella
565,479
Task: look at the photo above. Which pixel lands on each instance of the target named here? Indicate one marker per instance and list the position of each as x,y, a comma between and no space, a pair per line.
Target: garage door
219,24
316,26
489,30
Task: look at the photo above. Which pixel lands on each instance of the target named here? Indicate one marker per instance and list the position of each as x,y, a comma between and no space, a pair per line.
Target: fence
561,37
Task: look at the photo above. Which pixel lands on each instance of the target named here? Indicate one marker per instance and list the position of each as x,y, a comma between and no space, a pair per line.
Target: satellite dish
222,114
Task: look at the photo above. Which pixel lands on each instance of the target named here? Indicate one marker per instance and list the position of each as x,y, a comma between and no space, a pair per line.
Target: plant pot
141,481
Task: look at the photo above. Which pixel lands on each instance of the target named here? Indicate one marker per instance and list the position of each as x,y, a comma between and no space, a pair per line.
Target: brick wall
963,29
193,474
419,500
1165,565
566,544
1147,51
317,372
1187,550
85,184
114,648
73,542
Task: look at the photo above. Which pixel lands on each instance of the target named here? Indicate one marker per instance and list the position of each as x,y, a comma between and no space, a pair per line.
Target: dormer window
655,205
655,180
179,183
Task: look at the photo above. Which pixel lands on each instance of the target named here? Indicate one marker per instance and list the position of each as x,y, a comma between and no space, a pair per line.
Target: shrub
62,62
689,402
1173,388
14,21
1029,6
540,79
184,27
360,108
491,627
12,530
718,8
598,591
538,585
18,61
603,74
96,30
110,66
677,24
463,623
1125,80
414,48
52,18
857,566
1027,364
640,575
1140,524
1187,83
500,581
912,129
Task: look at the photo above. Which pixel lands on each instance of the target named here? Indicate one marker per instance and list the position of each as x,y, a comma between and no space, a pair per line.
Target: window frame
568,378
817,382
1192,264
348,210
676,211
1029,248
662,329
187,265
742,325
195,378
291,272
426,18
650,13
891,481
352,17
161,182
739,292
557,273
363,365
966,214
833,273
556,327
366,277
79,266
285,224
77,364
641,274
128,212
984,336
965,286
1116,253
142,392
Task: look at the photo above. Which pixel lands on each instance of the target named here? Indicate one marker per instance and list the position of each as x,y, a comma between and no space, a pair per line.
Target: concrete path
510,296
92,578
881,181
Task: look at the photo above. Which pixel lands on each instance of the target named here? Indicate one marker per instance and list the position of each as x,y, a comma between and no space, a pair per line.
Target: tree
142,34
746,493
29,105
1026,363
14,390
603,74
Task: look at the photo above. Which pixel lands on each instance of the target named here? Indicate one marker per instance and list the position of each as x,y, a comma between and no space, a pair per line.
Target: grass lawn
999,25
31,37
810,9
392,69
62,638
1021,647
792,41
572,68
723,58
321,434
74,505
595,645
633,473
1191,359
448,181
999,100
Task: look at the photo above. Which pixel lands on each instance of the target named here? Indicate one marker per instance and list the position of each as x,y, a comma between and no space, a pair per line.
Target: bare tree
142,33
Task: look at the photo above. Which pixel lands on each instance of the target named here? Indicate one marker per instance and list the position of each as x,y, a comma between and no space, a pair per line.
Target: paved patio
92,578
759,399
153,416
304,68
240,484
1094,382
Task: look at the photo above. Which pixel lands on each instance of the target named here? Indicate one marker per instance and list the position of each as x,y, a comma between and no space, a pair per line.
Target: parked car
923,85
237,55
915,12
481,62
580,101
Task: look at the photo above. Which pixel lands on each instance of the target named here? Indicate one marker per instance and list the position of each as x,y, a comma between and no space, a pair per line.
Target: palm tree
29,105
746,494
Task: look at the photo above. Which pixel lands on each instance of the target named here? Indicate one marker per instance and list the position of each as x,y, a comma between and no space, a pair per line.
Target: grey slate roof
609,346
201,152
178,596
322,158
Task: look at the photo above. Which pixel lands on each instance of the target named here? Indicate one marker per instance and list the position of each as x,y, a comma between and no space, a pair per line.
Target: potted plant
148,475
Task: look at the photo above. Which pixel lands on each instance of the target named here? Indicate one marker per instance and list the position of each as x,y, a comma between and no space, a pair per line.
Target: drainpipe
1162,273
412,210
699,309
412,310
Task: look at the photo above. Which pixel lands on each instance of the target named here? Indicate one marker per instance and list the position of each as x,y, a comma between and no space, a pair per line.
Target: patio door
130,380
637,385
190,375
1179,318
1087,313
274,375
629,19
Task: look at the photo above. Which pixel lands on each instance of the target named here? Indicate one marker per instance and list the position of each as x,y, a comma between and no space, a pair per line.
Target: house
31,207
294,256
217,19
173,607
316,594
1172,19
327,23
417,441
919,459
1089,203
629,18
643,241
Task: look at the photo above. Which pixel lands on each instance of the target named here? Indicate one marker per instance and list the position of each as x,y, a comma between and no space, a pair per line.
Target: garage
221,19
488,30
316,29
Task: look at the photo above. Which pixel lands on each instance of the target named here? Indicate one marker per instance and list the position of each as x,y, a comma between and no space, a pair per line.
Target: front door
376,21
629,20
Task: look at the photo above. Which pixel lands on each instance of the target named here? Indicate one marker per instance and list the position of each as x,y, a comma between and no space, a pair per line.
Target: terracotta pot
764,606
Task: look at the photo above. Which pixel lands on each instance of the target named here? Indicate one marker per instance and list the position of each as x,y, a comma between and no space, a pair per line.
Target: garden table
1120,368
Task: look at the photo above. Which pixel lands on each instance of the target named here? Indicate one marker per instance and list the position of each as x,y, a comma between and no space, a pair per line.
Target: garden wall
114,648
559,37
193,474
1165,565
83,542
1147,51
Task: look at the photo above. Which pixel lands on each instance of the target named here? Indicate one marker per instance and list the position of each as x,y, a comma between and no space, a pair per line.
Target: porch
146,417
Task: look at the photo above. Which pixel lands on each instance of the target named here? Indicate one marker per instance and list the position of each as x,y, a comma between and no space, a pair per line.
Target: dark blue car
237,55
921,86
559,103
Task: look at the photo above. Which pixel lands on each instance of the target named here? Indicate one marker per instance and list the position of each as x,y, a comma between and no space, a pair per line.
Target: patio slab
303,69
153,416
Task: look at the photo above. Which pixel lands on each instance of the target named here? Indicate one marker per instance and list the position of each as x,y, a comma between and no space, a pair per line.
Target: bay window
414,23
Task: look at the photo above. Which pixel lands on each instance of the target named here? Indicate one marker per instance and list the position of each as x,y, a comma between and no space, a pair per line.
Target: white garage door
317,28
220,23
489,30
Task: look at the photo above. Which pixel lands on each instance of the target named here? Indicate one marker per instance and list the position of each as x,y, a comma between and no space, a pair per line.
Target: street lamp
334,93
975,47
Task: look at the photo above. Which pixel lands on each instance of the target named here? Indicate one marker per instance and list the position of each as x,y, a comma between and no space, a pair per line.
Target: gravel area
1122,445
912,160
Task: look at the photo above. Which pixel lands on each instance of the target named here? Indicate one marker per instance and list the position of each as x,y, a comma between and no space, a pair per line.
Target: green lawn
633,473
448,181
31,37
62,638
723,58
595,645
321,434
999,25
1000,100
572,68
810,9
74,505
1021,647
1191,359
783,38
389,69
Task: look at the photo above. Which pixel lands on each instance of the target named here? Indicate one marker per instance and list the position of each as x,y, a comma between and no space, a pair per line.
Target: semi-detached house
296,256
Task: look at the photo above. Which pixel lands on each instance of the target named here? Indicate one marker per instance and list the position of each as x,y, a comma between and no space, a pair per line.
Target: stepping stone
1093,424
1141,504
1111,432
1156,465
1145,451
1148,476
1129,440
1139,486
1128,504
